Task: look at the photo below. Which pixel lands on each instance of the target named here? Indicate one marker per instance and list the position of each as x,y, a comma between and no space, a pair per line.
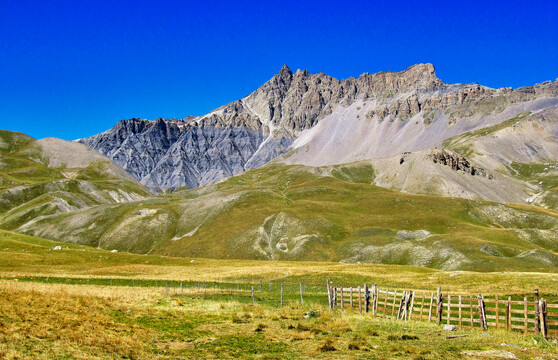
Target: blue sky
71,69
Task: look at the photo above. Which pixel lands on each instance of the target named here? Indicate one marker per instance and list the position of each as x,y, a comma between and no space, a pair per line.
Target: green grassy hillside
30,187
291,213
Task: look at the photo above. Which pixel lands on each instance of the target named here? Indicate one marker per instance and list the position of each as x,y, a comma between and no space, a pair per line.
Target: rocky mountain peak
285,71
426,70
284,77
252,131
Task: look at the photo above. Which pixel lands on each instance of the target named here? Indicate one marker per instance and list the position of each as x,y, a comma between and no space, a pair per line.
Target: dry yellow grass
47,321
58,320
392,276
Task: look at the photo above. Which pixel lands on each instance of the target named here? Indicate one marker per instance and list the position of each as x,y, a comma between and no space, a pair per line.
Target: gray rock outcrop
458,163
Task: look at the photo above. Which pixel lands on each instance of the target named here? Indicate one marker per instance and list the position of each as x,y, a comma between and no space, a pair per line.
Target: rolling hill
53,176
280,212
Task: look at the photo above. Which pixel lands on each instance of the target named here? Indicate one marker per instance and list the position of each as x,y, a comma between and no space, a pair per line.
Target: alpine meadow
390,215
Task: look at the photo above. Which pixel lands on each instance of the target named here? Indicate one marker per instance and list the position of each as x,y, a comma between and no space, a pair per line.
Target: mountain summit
318,120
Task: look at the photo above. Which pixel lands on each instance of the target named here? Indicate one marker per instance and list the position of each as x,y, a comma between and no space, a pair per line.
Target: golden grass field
60,305
46,321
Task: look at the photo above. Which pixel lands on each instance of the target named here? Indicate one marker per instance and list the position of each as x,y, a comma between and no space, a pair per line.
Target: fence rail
529,315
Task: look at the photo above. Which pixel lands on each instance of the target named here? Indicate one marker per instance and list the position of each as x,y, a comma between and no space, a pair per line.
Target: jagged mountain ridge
286,113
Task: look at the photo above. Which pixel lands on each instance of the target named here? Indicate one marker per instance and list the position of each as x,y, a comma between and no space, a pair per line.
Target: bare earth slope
480,164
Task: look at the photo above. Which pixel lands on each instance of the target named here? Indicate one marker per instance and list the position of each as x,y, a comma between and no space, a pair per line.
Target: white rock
500,354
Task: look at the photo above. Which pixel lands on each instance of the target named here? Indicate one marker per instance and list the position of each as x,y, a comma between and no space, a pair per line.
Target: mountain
393,167
319,119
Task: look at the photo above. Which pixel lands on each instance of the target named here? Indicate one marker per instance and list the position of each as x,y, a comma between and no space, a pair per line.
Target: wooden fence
530,316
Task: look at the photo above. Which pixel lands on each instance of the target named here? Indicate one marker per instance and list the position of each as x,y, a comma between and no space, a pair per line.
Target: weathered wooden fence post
407,305
133,283
269,286
351,297
508,314
301,299
253,298
342,300
181,289
439,305
537,313
261,285
482,312
328,295
526,315
374,297
366,298
542,308
401,310
166,289
375,302
360,300
399,313
281,294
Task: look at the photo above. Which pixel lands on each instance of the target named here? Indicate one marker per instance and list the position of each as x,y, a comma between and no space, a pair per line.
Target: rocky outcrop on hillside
250,132
458,163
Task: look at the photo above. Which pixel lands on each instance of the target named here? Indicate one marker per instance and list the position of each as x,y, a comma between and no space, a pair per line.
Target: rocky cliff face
458,163
286,113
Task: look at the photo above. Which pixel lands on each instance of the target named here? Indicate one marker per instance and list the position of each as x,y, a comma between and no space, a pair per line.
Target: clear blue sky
71,69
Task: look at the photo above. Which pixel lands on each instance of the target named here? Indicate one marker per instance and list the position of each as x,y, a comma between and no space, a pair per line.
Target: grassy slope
30,188
26,256
342,220
541,175
121,321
